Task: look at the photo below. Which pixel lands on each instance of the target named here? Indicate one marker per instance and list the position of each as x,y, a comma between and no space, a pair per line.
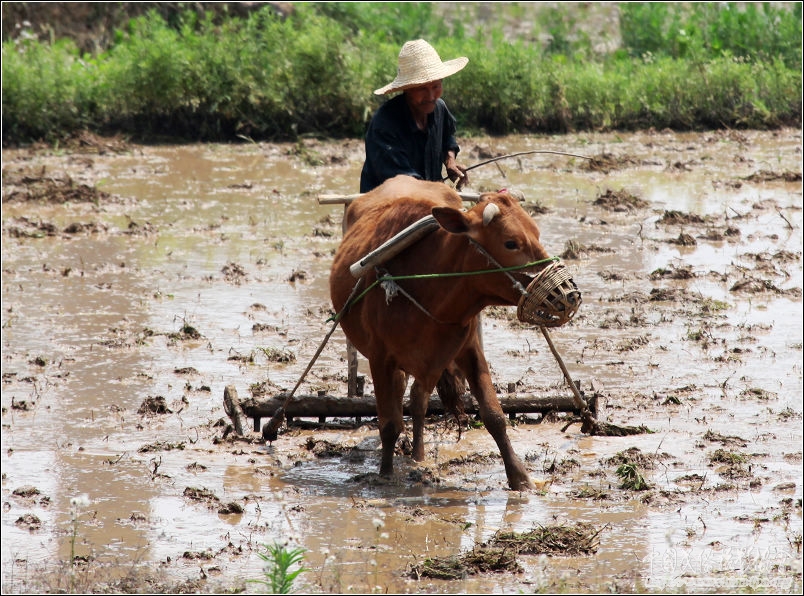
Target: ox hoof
269,434
521,484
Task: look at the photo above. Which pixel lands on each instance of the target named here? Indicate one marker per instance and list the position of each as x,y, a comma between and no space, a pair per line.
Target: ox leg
494,418
389,387
419,400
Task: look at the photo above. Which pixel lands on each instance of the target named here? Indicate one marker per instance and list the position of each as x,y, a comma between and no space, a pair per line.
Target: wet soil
139,281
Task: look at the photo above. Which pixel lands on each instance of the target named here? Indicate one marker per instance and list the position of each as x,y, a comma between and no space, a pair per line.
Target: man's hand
455,172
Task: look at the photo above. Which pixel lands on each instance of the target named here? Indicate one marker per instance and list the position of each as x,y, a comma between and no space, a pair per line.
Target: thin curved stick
501,157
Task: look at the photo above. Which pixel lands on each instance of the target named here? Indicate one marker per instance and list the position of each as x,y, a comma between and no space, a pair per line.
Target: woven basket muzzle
552,298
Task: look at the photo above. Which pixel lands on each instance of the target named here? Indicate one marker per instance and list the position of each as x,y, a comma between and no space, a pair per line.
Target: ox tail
450,387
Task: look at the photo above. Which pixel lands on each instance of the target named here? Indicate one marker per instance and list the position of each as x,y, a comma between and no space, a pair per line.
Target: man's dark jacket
395,145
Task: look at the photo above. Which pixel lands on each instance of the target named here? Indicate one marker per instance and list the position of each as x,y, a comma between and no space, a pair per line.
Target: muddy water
231,241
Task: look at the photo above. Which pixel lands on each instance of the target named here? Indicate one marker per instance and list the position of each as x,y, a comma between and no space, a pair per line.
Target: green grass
264,77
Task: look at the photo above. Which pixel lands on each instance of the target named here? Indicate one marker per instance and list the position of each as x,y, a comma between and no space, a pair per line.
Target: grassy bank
269,76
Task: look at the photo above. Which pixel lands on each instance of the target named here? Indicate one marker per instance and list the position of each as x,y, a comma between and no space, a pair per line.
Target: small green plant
277,355
695,335
631,477
710,305
278,561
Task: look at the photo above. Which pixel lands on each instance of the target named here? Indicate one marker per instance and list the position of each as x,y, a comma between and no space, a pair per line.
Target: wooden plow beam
323,406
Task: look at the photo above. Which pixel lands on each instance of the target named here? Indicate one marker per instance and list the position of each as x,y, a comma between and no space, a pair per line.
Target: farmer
413,133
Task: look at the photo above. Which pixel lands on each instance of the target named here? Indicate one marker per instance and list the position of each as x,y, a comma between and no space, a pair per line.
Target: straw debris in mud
568,541
499,554
479,560
201,494
633,455
678,218
771,176
620,200
608,162
724,439
321,448
28,184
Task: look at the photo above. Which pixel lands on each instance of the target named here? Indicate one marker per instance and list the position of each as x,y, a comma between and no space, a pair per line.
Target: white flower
81,500
378,523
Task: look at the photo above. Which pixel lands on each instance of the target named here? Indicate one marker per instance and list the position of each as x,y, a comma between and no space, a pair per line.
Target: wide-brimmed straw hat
420,64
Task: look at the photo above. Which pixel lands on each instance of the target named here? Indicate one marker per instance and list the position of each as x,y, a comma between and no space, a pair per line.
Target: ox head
509,237
503,230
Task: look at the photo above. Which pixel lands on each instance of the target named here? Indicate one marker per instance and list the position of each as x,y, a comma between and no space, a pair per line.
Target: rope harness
388,281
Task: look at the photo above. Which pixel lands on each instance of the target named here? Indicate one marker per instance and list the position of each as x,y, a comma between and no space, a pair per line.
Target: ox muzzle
551,299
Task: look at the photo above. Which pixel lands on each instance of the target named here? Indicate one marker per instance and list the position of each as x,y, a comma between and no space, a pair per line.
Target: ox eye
511,244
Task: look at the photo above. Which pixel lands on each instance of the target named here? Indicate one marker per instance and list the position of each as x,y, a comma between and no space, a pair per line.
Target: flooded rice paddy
136,275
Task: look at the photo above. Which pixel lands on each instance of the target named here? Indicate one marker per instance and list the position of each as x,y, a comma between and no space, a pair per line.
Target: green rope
383,278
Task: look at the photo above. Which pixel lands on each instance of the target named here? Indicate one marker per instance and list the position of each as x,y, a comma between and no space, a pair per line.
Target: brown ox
431,326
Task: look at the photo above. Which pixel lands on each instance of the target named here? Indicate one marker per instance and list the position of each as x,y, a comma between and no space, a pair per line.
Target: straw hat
420,64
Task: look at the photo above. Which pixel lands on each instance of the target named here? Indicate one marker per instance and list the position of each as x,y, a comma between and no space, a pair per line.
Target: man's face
422,99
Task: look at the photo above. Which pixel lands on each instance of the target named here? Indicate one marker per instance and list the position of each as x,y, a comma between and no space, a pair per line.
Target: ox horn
489,213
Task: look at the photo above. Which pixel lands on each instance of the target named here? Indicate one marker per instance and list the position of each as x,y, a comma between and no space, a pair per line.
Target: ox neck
389,283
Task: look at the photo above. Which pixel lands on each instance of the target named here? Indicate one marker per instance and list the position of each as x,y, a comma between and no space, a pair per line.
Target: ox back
427,327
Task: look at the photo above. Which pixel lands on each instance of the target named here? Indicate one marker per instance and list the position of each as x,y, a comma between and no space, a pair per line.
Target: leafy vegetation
753,31
631,477
278,562
269,76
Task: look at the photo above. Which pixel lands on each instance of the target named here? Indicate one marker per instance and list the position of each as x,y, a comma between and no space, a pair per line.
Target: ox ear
452,220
